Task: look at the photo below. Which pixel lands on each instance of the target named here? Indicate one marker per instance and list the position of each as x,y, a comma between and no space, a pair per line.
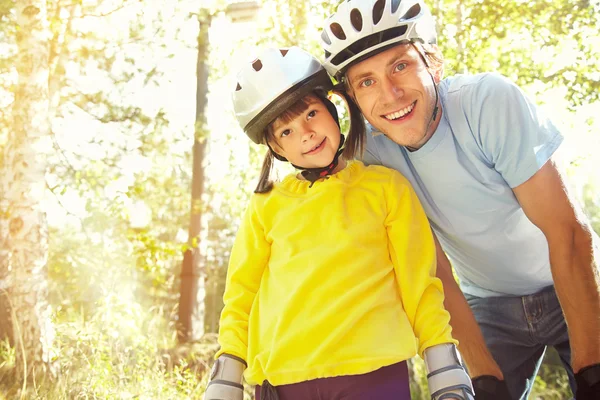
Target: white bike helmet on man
362,28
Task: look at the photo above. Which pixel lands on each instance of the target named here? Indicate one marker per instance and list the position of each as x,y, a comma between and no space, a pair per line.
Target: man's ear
438,73
436,62
433,58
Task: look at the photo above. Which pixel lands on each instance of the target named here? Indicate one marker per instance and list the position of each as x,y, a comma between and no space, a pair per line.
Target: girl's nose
308,133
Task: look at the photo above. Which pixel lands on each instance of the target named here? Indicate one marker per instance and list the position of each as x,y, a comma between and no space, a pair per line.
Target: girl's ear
279,157
272,147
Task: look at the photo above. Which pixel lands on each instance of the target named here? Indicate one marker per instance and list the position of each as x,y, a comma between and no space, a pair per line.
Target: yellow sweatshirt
337,279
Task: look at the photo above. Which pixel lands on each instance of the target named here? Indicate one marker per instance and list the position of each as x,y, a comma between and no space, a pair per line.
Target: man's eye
366,83
400,67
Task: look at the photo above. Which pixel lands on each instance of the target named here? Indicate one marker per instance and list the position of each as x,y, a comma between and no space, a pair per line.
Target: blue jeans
517,331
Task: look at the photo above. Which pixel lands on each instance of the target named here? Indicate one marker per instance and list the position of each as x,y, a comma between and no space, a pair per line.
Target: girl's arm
413,253
249,257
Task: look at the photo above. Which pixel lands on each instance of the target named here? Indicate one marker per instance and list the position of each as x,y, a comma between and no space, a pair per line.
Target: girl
331,283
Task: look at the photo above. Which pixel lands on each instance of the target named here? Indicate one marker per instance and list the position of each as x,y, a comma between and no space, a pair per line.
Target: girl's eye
366,83
311,114
285,132
400,67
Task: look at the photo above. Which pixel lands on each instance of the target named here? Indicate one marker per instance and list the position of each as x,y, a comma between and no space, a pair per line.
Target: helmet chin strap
436,109
314,174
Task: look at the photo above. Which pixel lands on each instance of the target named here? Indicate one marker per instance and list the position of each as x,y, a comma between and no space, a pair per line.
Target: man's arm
573,258
465,329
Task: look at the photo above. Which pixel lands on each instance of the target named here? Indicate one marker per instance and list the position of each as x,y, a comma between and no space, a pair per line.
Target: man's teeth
400,113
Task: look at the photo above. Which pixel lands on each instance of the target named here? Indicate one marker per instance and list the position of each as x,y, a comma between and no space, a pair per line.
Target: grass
121,354
121,351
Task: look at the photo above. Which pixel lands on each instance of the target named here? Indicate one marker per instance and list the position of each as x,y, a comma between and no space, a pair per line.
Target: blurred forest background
123,173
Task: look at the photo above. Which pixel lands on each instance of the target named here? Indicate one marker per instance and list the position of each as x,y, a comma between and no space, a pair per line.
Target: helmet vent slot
238,87
356,19
338,31
283,52
378,11
257,65
395,5
325,37
412,12
368,42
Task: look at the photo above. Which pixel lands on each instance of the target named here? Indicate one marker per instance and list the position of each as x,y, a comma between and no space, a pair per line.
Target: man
480,156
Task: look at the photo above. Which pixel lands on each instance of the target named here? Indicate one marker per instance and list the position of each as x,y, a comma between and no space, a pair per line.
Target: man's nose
391,90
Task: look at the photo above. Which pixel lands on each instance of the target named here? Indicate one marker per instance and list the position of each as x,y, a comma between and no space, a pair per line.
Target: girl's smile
317,149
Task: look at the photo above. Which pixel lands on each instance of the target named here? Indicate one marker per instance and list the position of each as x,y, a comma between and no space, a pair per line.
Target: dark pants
387,383
517,331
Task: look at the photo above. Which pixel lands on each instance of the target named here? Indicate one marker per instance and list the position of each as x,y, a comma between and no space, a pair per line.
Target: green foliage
418,379
591,202
551,383
7,356
550,43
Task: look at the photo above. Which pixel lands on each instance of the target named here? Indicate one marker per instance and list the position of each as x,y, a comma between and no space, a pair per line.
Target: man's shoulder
478,89
479,97
484,80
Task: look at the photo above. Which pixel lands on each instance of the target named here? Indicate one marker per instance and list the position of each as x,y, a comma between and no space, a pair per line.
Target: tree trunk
191,301
5,319
24,184
461,52
439,15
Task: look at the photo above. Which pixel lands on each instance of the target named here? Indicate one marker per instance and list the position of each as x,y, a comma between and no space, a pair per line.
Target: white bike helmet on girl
272,83
361,28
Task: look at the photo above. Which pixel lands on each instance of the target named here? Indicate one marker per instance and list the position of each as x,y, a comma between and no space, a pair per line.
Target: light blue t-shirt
491,138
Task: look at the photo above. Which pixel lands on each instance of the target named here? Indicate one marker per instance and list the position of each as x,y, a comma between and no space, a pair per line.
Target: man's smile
402,113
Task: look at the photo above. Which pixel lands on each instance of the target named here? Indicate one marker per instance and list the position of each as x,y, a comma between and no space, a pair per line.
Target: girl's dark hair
265,184
354,141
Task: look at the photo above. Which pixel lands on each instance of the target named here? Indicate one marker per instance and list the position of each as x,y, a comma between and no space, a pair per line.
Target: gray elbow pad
226,381
446,376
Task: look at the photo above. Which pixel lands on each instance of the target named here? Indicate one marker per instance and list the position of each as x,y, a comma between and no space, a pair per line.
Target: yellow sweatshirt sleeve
249,257
412,251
